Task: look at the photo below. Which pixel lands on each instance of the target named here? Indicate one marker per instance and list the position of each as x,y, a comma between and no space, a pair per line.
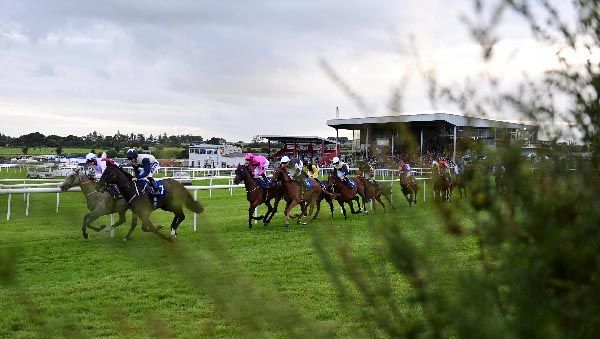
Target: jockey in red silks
443,165
405,168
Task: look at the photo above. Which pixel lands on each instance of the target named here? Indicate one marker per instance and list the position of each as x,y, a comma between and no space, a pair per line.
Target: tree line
95,139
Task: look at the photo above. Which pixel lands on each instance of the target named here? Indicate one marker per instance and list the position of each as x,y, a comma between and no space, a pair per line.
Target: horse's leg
343,208
330,202
251,214
378,198
357,199
177,220
288,208
147,226
302,213
119,222
134,220
318,203
269,211
273,211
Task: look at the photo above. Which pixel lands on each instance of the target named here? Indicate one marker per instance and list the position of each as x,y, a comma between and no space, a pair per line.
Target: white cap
335,160
285,159
90,156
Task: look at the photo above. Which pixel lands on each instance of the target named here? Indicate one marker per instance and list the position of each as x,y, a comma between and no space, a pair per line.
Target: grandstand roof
297,139
454,119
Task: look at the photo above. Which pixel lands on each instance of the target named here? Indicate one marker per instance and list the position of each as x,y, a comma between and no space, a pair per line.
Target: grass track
105,287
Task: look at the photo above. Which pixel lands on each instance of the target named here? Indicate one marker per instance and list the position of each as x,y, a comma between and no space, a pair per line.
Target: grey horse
99,203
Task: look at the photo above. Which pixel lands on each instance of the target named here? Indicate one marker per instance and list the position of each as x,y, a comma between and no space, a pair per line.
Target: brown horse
140,201
346,194
374,191
257,195
294,194
409,186
442,184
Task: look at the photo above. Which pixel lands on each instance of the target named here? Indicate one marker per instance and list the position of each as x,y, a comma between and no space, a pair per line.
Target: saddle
266,183
158,191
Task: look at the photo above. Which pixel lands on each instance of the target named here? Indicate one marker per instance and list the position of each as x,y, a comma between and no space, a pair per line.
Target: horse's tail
192,204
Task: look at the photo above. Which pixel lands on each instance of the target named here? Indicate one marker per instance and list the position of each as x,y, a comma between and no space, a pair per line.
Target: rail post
8,208
195,214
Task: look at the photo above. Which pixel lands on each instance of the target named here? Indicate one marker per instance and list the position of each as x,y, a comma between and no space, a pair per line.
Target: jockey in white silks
341,169
97,165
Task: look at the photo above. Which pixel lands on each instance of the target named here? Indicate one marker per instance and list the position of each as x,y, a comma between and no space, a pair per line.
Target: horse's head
112,175
280,173
331,177
240,174
71,180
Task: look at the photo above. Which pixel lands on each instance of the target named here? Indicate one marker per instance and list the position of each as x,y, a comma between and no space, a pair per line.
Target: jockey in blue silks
144,166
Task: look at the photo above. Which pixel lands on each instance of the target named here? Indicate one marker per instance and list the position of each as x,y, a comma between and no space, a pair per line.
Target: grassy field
221,281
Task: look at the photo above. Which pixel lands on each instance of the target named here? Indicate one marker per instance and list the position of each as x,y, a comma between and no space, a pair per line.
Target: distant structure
306,147
435,132
213,156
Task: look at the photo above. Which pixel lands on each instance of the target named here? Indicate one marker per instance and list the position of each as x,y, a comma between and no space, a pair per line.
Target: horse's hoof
173,233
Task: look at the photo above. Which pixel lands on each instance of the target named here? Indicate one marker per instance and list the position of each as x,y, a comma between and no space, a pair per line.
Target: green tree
25,149
59,150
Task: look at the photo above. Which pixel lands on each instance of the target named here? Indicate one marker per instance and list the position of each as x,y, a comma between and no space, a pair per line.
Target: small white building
215,156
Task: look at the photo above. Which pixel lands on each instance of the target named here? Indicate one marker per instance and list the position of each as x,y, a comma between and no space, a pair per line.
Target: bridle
244,177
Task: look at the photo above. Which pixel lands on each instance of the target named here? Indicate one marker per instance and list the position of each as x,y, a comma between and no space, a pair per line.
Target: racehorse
141,202
346,194
409,186
442,184
257,195
374,191
99,203
295,194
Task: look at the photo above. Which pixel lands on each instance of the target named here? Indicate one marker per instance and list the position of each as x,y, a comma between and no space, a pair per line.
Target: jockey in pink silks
257,164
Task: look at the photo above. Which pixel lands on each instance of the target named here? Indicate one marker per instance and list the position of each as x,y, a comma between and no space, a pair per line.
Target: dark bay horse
294,194
374,191
410,187
346,194
140,201
257,195
442,184
99,203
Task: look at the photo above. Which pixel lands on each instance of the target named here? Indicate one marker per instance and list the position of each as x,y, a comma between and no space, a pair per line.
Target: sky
231,69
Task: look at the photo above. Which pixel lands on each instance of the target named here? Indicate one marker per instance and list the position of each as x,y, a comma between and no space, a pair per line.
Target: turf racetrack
223,280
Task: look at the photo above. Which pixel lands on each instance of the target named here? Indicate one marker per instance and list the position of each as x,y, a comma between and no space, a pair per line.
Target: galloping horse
346,194
374,191
257,195
99,203
140,200
294,194
442,184
410,187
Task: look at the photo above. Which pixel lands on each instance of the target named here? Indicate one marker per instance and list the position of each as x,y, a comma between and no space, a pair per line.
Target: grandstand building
434,132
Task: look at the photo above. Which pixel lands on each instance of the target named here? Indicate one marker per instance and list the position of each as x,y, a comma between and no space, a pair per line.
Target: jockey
144,166
340,168
295,168
97,165
284,161
366,171
259,165
405,168
311,170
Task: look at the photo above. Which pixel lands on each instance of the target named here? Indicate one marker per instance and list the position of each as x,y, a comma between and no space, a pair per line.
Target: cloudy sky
230,69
